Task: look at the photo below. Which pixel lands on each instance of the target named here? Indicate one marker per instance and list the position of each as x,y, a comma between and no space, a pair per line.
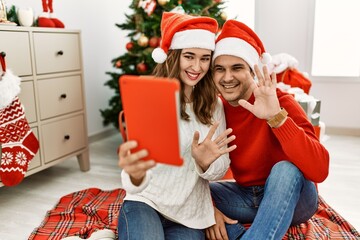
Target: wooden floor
23,207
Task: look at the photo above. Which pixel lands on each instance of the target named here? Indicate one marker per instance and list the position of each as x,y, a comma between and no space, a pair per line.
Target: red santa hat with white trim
237,39
180,31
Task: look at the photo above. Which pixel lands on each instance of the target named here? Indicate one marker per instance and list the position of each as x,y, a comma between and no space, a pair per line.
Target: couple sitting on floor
263,134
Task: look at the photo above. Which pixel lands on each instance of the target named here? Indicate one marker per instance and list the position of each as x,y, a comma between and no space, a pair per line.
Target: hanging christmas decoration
129,46
154,42
18,142
118,64
223,16
179,8
141,67
163,2
148,6
143,41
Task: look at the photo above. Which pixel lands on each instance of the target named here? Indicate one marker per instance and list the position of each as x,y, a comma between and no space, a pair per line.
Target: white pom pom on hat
266,58
159,55
180,31
237,39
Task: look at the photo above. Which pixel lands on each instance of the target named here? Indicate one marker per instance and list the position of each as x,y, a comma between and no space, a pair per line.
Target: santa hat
237,39
184,31
282,61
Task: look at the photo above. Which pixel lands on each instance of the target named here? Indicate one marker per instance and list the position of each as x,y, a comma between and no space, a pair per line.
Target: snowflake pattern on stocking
19,144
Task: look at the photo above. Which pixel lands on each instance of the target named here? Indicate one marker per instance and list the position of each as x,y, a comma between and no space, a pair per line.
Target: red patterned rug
84,212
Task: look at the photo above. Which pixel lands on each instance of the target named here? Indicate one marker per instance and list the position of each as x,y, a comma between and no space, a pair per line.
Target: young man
279,159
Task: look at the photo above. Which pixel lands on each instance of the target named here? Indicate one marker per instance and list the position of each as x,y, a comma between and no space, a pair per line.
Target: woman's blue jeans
139,221
286,199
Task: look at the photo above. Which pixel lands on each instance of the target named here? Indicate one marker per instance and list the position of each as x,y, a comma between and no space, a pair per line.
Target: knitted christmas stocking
18,143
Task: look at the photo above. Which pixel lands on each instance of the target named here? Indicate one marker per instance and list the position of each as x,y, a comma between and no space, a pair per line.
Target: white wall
101,42
284,26
287,26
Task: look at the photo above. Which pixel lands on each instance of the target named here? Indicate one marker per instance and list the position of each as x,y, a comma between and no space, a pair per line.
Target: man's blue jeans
286,199
139,221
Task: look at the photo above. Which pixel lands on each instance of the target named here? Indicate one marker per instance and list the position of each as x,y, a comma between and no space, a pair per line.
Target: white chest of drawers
49,62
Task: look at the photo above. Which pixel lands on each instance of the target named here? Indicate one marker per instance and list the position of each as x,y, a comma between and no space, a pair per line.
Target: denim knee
284,176
285,169
138,221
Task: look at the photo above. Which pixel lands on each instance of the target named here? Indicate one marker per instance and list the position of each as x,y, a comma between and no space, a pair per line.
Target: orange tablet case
152,113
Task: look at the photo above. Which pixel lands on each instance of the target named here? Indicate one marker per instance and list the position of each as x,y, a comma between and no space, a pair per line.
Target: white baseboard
101,135
342,131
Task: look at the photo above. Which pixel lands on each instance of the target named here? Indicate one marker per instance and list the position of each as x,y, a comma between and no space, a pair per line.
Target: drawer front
59,96
63,137
56,52
27,98
16,45
35,162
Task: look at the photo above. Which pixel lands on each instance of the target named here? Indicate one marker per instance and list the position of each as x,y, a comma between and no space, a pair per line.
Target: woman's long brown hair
204,95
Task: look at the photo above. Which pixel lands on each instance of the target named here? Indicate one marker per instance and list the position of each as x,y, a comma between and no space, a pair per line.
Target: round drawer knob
67,137
63,96
60,53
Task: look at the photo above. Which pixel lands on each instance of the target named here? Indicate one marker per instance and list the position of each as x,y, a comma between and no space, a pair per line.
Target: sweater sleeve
220,166
130,187
299,142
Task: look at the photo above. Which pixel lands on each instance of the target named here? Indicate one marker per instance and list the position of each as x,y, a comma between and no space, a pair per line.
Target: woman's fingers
223,136
223,140
212,130
126,157
126,147
139,167
226,141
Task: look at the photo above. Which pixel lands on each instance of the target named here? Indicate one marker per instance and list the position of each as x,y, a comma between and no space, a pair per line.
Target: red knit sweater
259,147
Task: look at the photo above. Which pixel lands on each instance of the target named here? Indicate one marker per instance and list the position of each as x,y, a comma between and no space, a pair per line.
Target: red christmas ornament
129,46
141,67
118,64
154,42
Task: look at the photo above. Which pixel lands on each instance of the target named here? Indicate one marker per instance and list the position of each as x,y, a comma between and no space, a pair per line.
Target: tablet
152,114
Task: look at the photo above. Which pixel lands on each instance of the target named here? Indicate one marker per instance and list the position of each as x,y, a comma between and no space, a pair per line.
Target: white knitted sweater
182,194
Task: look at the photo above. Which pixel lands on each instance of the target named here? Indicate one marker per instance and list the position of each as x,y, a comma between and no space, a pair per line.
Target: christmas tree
144,36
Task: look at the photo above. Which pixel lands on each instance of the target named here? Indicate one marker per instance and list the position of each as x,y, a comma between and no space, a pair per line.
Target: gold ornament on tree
223,16
143,41
163,2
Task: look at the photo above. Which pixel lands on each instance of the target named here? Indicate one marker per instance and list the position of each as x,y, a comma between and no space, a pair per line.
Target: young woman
163,201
